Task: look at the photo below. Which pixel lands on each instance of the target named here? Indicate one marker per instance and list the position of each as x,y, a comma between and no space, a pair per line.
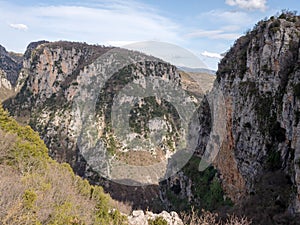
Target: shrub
275,26
206,189
29,198
158,221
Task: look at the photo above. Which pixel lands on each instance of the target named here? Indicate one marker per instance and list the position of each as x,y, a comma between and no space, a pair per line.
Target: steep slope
258,155
259,79
10,66
34,189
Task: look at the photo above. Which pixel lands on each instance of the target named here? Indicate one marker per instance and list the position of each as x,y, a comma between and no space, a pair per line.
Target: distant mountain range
197,70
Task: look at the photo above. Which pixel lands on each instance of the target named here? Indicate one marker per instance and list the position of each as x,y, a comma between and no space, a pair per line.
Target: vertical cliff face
10,67
49,74
260,81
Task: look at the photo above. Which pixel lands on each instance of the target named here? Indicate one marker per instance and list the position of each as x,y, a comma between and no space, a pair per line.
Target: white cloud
212,55
111,21
213,34
19,26
248,4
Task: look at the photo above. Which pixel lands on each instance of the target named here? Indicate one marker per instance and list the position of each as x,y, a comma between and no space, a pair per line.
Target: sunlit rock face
259,79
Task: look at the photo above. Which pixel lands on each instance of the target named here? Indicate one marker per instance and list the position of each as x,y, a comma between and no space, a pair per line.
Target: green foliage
50,192
179,204
263,107
63,215
206,188
274,160
158,221
25,133
29,198
118,218
275,26
150,109
111,145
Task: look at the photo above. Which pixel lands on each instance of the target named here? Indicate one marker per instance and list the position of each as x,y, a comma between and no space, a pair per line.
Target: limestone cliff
258,159
260,78
62,79
10,66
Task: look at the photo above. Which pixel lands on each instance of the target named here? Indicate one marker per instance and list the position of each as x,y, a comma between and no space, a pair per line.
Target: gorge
250,115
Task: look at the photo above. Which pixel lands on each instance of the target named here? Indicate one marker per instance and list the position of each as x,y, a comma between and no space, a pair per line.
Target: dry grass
208,218
6,94
35,189
197,83
141,158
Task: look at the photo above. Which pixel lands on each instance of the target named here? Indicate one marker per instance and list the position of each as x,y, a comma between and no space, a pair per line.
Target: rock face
49,73
66,82
10,67
258,159
260,81
138,217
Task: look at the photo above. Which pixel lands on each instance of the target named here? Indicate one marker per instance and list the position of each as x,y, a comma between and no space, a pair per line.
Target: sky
207,29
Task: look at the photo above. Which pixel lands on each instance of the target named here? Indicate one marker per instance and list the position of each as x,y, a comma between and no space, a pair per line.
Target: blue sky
206,28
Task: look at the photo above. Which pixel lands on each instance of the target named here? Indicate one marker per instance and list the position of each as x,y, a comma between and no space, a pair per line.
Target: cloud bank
212,55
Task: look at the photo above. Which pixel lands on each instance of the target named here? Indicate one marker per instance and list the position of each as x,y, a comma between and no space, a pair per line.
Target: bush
158,221
207,192
275,26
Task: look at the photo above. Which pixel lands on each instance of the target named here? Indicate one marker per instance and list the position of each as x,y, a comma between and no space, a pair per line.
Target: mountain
197,70
259,81
61,79
259,77
10,67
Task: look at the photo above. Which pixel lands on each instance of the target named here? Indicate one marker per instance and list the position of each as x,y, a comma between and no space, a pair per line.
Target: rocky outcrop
10,67
49,72
10,64
258,154
259,79
138,217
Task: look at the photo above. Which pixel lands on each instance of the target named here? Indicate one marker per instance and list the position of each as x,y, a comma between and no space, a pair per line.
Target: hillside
35,189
